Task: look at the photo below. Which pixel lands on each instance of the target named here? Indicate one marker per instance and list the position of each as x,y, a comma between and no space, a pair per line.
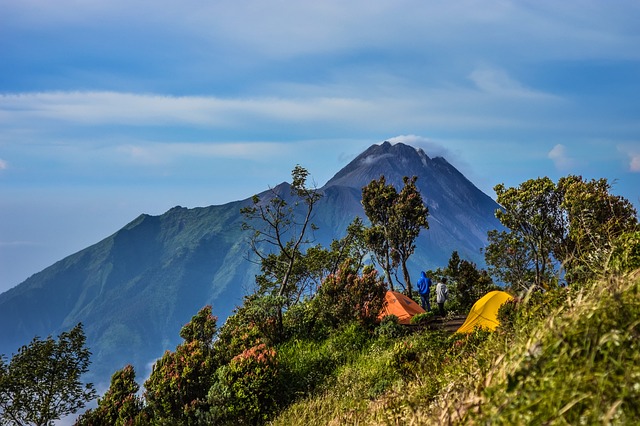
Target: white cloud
91,108
155,153
561,158
3,164
498,82
632,152
430,147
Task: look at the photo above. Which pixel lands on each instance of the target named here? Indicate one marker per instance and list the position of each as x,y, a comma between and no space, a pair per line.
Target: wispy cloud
156,153
498,82
3,164
430,147
561,158
632,153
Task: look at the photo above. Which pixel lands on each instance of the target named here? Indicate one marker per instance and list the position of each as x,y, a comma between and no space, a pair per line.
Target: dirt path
449,325
452,324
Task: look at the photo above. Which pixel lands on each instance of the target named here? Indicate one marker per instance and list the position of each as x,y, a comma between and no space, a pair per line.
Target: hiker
424,288
442,293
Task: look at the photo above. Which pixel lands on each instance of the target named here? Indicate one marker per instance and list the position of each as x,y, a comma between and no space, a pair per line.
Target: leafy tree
120,406
41,383
575,223
509,260
378,199
396,220
177,389
283,232
409,217
597,219
533,214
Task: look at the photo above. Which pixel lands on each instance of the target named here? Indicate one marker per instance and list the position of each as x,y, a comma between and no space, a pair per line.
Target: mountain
135,289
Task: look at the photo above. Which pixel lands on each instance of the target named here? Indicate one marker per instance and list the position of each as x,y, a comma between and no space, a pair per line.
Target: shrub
346,296
177,388
253,323
119,406
390,328
423,318
507,314
626,253
245,391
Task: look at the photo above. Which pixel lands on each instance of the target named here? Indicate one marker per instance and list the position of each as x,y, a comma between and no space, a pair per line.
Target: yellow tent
484,312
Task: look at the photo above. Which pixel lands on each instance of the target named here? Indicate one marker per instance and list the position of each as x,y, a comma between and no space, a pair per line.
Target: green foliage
308,365
41,383
509,259
279,233
625,256
347,296
533,214
584,358
597,219
422,357
507,314
120,405
396,221
177,389
390,328
245,391
423,317
256,321
575,223
470,283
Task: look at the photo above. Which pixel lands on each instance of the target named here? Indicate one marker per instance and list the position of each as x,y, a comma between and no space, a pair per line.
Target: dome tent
402,306
484,313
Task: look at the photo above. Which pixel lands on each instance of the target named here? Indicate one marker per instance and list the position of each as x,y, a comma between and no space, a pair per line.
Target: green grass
571,357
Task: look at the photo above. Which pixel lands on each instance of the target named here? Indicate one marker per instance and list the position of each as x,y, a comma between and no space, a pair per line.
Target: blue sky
110,109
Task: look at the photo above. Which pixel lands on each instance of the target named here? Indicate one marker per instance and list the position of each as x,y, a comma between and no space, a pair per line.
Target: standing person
424,288
442,294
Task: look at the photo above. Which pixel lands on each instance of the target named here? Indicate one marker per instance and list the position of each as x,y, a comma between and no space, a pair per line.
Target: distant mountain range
135,289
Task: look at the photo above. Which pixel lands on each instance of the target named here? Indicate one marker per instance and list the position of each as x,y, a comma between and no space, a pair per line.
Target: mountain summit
135,289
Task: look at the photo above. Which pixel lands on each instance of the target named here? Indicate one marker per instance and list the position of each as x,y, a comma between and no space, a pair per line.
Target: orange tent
401,306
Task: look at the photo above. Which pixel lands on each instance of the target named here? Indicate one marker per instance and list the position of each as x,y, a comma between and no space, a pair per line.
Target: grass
571,357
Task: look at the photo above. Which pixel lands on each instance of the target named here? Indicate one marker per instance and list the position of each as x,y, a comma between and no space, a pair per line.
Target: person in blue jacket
424,287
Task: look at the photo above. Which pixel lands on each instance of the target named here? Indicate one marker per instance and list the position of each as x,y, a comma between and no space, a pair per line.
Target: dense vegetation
307,346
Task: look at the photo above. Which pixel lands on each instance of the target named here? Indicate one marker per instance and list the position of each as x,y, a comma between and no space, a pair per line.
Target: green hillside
567,357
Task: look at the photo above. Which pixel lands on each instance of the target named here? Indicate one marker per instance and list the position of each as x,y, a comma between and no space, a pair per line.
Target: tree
509,259
533,214
377,200
179,383
119,406
471,283
282,230
408,219
597,219
574,224
396,221
42,383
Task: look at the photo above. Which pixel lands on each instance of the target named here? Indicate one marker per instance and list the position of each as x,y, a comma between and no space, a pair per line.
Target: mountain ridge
134,289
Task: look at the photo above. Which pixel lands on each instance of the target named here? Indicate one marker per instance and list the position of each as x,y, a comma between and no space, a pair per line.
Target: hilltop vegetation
307,347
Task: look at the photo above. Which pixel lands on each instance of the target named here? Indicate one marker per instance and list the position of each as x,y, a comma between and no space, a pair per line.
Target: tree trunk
407,278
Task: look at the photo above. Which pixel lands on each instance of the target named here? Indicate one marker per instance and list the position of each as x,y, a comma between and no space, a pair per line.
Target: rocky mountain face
135,289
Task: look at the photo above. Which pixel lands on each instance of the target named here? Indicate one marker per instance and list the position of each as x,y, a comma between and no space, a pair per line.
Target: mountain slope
136,288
